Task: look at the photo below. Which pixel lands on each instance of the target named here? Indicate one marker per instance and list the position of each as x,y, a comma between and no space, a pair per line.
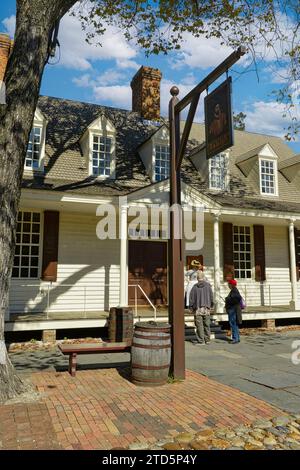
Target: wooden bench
90,348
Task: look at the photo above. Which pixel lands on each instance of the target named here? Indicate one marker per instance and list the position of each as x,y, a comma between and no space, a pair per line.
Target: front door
147,266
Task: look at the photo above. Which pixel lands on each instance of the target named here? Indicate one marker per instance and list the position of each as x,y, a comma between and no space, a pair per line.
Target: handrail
147,298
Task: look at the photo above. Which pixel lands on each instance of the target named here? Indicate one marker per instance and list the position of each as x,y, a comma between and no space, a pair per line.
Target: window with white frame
33,154
218,171
26,260
267,177
162,162
242,252
101,155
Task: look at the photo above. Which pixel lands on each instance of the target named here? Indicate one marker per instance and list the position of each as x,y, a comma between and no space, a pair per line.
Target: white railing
51,297
136,299
264,296
261,292
45,291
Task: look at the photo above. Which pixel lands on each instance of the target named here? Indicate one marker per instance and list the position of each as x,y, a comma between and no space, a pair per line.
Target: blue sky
102,74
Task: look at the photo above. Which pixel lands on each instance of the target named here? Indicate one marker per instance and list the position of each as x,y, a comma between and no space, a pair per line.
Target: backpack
242,303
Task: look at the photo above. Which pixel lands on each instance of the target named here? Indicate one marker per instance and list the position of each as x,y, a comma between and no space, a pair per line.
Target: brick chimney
145,87
5,49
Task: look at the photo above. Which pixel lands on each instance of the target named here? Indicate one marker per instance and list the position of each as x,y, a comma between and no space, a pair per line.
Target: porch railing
81,297
265,294
136,287
84,299
80,301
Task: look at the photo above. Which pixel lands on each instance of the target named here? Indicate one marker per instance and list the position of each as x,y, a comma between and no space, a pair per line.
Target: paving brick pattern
27,427
102,409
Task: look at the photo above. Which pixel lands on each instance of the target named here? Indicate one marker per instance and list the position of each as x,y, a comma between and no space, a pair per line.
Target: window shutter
228,251
50,246
259,253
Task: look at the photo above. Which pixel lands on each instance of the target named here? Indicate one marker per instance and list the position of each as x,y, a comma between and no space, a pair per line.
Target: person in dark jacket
201,302
232,305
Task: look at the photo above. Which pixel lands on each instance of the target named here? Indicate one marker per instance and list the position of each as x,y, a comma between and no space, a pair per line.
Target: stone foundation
268,323
49,336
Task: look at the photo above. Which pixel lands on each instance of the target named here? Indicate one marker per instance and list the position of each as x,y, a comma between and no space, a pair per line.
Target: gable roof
295,160
252,153
66,169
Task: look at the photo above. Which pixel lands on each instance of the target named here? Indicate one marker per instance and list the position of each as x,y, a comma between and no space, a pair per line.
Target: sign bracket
177,150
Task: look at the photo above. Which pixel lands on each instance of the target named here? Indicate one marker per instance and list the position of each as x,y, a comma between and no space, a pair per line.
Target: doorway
147,267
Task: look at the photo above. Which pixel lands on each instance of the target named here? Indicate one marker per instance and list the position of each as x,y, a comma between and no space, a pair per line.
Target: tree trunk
35,22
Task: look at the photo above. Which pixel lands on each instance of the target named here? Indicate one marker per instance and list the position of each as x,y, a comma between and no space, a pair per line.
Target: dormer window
34,149
218,172
162,162
34,160
155,154
262,161
98,145
102,155
267,177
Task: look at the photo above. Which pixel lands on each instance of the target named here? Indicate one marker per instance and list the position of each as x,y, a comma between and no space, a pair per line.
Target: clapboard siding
88,264
84,262
277,263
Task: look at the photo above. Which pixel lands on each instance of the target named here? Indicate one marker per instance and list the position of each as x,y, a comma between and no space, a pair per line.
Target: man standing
201,302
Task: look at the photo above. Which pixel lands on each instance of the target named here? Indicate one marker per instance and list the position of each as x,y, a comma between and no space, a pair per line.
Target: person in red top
232,304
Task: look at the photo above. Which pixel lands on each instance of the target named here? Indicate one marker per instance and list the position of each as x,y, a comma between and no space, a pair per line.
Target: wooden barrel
120,324
150,353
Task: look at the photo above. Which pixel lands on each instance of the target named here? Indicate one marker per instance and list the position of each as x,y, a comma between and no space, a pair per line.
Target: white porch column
123,257
294,302
217,281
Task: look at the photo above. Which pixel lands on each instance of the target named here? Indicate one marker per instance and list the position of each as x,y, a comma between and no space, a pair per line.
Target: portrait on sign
218,119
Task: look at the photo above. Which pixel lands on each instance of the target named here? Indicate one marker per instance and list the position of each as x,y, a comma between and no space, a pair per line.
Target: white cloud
200,52
267,118
76,53
272,46
10,25
84,81
117,95
109,77
127,64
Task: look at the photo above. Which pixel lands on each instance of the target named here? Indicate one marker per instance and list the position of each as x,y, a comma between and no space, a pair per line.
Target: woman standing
191,277
232,305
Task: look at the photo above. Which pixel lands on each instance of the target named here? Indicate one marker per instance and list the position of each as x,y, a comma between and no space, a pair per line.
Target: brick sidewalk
102,409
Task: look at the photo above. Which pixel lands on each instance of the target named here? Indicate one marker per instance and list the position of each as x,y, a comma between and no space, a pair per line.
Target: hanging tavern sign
218,119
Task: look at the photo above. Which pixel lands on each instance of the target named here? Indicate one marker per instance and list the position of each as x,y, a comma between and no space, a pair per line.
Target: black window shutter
50,246
259,252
